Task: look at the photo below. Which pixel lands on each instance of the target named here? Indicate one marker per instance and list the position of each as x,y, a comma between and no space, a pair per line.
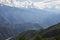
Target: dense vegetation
51,33
39,37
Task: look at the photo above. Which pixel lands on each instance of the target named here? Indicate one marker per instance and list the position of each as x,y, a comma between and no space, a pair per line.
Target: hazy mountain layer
14,20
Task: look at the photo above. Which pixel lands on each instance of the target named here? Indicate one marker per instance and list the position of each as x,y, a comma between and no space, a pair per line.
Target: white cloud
28,3
48,4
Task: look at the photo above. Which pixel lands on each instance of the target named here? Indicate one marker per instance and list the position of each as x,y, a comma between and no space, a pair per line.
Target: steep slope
17,20
29,34
52,31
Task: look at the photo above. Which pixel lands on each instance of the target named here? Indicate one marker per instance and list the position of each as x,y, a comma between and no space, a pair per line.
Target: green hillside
51,33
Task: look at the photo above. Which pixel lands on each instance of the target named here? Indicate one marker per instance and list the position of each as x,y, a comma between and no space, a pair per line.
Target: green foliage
57,37
22,38
37,37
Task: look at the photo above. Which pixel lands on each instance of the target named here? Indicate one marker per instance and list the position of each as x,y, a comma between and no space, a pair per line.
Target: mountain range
15,20
17,16
51,33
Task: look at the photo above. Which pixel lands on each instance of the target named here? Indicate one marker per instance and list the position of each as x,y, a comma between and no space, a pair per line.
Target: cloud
48,4
44,4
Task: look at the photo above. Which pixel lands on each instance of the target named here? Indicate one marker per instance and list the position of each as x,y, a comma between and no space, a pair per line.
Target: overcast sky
36,0
31,0
40,4
46,3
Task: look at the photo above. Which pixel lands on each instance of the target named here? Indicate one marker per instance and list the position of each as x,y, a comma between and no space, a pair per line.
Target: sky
45,3
39,4
31,0
51,5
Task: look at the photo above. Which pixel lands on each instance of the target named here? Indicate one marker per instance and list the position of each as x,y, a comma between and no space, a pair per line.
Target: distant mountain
18,16
14,20
8,30
51,33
